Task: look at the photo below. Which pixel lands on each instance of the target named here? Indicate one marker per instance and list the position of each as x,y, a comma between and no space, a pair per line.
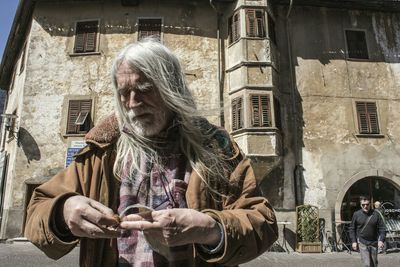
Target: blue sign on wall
71,151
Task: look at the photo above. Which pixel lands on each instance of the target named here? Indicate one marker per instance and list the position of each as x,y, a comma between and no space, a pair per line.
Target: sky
7,13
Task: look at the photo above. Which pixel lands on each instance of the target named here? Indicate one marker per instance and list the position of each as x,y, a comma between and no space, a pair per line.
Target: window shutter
373,117
251,23
237,120
260,111
234,27
367,118
271,29
260,24
277,109
91,37
73,111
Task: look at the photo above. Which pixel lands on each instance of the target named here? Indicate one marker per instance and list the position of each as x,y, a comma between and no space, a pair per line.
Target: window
255,23
234,27
271,29
149,27
79,120
367,118
356,44
260,111
86,36
237,114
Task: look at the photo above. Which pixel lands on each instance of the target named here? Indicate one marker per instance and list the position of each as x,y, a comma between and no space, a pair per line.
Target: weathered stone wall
53,75
326,88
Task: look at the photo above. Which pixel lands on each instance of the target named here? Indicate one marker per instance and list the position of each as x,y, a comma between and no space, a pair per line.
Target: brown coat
248,219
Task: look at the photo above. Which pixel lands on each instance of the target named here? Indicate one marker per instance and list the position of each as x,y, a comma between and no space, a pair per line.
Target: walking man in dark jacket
367,232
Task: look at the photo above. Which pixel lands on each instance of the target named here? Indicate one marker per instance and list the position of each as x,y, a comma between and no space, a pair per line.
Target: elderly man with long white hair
157,184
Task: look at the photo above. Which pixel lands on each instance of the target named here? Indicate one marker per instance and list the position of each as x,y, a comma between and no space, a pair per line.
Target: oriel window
255,23
234,27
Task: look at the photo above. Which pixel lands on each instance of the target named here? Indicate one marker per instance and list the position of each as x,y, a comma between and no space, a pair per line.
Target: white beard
149,125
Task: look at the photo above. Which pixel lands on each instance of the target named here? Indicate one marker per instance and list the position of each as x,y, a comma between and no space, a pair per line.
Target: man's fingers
100,215
90,230
140,225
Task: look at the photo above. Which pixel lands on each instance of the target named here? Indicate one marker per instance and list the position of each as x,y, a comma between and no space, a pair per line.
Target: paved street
24,254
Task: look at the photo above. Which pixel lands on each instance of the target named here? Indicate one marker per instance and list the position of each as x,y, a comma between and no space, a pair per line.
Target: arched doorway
377,188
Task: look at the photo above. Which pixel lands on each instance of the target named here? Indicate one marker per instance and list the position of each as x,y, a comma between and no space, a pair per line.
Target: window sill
265,130
74,135
370,135
85,54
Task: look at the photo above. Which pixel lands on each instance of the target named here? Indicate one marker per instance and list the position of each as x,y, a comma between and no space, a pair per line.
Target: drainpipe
219,73
298,169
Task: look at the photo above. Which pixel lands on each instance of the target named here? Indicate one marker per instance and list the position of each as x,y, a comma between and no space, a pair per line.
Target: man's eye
145,87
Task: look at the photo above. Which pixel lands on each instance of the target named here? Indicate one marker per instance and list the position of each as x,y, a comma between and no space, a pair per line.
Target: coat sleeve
248,220
42,209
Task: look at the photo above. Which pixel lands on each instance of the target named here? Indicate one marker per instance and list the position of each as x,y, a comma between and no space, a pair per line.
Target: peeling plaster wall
327,86
53,74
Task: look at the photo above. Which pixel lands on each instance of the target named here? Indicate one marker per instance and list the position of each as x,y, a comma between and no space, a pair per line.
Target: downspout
219,74
298,169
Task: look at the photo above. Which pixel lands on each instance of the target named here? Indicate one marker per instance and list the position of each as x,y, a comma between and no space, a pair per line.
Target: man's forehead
365,201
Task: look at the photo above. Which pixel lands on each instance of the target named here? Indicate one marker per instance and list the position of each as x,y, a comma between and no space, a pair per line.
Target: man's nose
134,99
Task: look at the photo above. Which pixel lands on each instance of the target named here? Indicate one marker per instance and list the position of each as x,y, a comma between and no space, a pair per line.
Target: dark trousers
369,255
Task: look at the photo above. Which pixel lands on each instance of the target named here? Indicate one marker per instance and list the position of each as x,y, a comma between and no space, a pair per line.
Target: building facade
308,90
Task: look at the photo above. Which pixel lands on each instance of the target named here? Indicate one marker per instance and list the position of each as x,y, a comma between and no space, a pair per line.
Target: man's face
365,205
142,101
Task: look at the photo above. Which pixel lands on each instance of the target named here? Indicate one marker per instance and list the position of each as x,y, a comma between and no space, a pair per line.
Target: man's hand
380,244
88,218
354,246
175,227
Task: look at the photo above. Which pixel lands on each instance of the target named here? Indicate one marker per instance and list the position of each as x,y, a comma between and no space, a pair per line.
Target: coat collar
105,133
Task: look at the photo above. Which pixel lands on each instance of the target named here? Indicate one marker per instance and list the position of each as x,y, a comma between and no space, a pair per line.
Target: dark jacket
248,219
367,228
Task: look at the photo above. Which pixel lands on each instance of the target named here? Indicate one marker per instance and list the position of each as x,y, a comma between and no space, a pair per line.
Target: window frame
348,56
65,114
261,110
138,38
258,25
96,39
358,122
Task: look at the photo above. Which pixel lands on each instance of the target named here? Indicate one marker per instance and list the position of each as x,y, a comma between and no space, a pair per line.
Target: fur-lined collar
105,132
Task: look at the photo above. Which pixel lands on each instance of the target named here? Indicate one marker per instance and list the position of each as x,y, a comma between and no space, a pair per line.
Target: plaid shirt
159,187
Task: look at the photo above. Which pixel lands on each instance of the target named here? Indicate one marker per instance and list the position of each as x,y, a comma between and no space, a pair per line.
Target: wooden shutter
277,109
149,27
237,117
271,29
74,108
260,110
367,118
234,27
86,36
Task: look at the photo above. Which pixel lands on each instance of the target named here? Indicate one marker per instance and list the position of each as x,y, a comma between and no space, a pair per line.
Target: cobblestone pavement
24,254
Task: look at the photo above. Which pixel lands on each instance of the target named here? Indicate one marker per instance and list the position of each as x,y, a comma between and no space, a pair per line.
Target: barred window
237,113
86,36
79,119
260,111
356,44
367,116
149,27
234,27
255,23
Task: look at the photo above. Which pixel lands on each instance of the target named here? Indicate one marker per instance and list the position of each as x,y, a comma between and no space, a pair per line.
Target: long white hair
162,68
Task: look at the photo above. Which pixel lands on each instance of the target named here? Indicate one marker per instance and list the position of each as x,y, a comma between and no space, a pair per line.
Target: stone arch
389,176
